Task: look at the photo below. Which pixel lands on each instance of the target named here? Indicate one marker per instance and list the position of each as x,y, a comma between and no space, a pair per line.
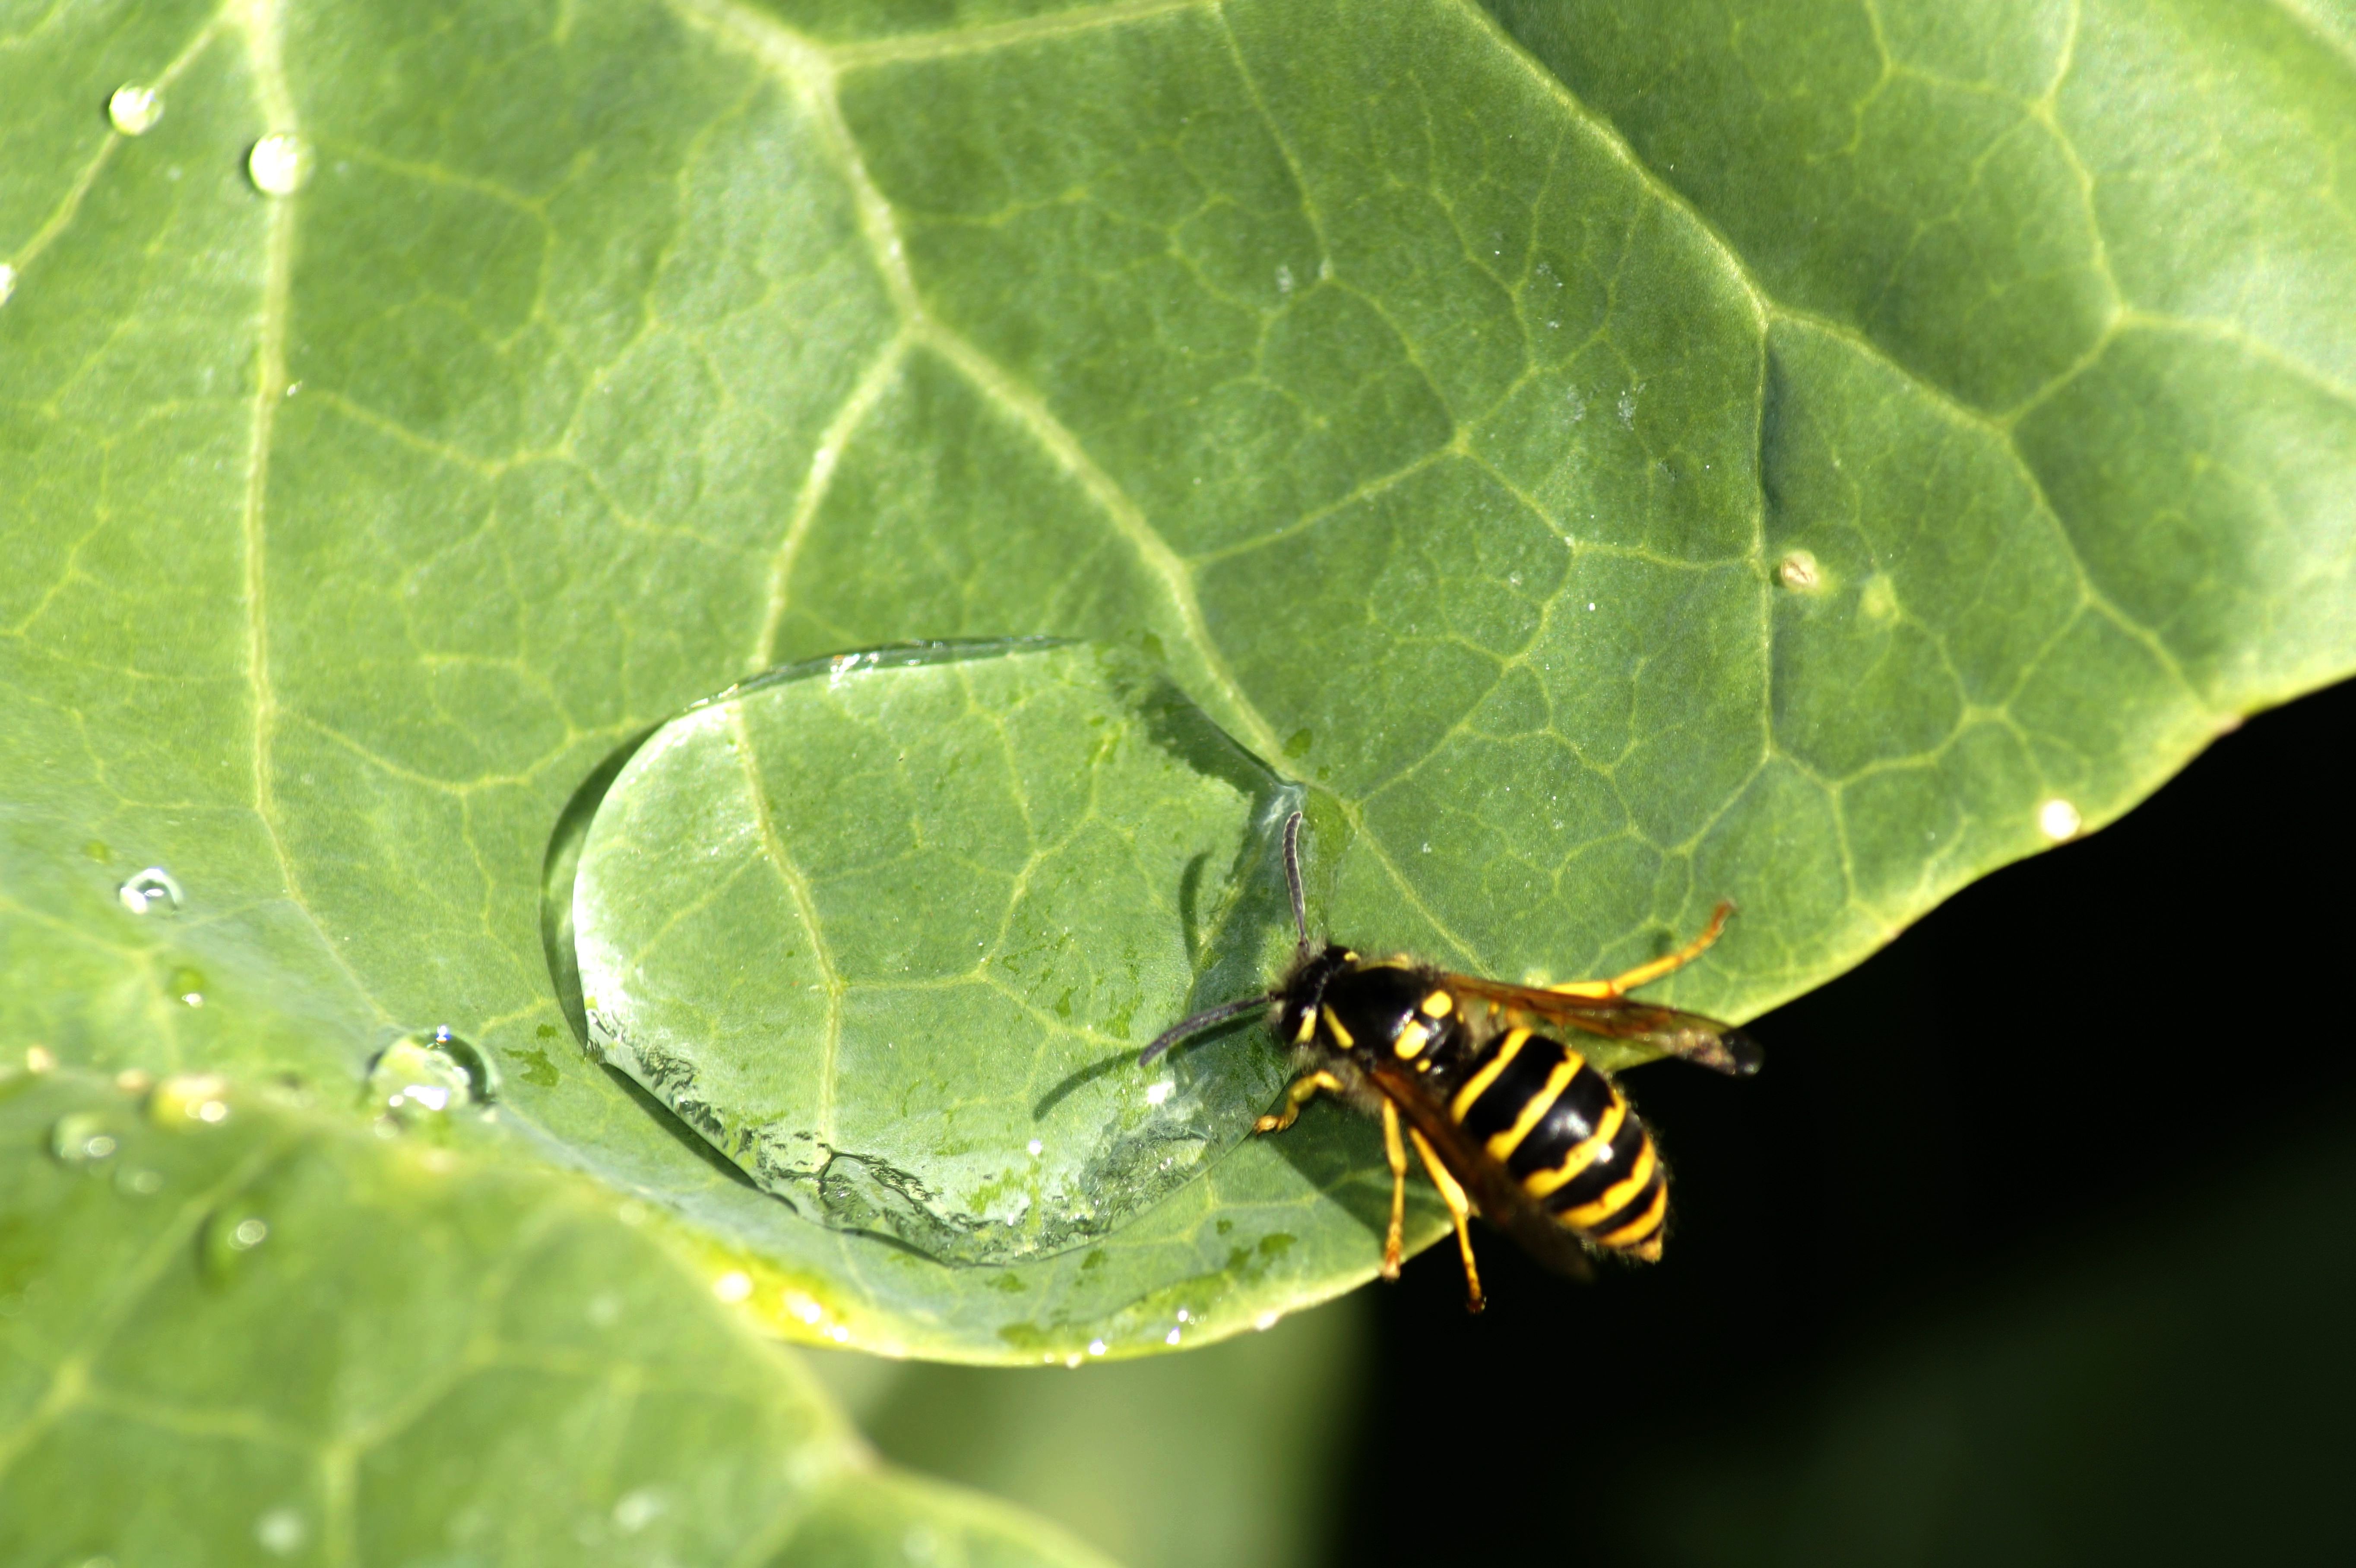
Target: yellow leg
1645,974
1460,1209
1304,1089
1394,1243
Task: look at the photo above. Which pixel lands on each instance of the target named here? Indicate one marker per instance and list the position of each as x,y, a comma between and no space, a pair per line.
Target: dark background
2035,1241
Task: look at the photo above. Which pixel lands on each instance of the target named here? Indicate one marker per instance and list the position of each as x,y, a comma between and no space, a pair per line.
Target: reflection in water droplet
135,110
247,1234
281,1532
733,1285
7,282
279,164
39,1059
151,892
82,1138
1095,1347
429,1074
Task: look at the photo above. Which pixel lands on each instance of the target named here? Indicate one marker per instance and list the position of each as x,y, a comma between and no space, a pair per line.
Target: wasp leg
1304,1089
1396,1152
1452,1194
1645,974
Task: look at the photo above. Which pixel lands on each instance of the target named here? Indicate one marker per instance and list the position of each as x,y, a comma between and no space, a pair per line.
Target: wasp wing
1494,1192
1706,1041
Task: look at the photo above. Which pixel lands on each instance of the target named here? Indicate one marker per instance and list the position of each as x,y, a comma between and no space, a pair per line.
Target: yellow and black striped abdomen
1565,1132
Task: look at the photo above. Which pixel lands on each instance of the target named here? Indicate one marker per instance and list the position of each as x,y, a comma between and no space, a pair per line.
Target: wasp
1508,1120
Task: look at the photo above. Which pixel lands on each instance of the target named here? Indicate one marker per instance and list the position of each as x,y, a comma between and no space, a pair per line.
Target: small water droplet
82,1138
733,1285
230,1235
152,891
190,1097
2058,820
281,1532
1035,1145
636,1509
186,983
1095,1347
279,164
1185,1315
1798,572
133,110
1171,1337
138,1181
429,1074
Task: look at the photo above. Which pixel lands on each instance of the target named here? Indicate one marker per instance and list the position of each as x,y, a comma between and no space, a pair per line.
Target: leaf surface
1618,461
314,1345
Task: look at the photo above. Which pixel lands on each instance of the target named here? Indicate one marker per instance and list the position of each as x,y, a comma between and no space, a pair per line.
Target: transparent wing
1706,1041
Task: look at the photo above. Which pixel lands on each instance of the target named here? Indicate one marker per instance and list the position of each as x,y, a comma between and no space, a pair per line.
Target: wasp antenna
1198,1024
1292,877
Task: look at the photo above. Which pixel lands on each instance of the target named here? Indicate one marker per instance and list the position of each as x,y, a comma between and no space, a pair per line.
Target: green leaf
313,1345
1803,456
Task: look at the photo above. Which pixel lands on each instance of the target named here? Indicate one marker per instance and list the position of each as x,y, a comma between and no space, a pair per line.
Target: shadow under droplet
687,1137
557,872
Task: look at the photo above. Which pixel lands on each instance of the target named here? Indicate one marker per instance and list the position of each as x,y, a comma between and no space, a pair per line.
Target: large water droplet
152,891
888,928
279,164
429,1074
135,110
